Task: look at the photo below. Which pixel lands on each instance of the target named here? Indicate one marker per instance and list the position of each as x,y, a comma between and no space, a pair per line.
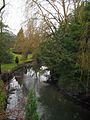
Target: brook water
52,105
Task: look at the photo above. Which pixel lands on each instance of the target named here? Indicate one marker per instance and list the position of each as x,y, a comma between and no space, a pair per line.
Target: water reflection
57,107
15,101
51,104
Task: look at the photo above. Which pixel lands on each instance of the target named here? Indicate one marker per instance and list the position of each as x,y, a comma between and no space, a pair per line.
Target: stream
52,105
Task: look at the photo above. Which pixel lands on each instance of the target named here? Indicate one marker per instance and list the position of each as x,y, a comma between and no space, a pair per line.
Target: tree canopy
6,42
67,53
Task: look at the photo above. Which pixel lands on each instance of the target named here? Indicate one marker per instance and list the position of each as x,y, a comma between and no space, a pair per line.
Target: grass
10,66
29,57
17,55
2,96
7,67
20,57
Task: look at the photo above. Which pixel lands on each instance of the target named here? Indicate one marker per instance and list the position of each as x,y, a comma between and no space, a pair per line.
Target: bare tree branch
46,20
40,6
56,9
3,5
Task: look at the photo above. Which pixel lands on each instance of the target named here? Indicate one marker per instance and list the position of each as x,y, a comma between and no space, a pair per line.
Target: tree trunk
0,68
1,27
64,10
2,6
87,84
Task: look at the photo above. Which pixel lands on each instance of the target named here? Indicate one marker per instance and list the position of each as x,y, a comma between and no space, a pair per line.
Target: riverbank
5,76
4,85
75,98
3,96
80,99
10,66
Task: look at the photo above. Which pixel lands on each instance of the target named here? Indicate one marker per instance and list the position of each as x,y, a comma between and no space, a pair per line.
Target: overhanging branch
3,5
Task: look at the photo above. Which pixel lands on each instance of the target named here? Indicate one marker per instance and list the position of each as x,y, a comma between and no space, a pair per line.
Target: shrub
2,96
31,107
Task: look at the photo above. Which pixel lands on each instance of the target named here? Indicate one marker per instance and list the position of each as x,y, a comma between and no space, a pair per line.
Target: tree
1,27
35,36
5,44
84,53
53,12
59,52
3,5
66,49
20,40
67,54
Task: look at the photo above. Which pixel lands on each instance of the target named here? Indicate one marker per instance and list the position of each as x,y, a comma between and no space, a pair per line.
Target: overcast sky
14,14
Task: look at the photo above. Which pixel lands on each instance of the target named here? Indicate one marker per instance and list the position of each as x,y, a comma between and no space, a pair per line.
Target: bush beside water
31,107
2,96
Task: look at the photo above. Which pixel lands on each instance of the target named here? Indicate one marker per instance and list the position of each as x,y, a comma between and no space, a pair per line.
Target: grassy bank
21,60
7,67
2,100
10,66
